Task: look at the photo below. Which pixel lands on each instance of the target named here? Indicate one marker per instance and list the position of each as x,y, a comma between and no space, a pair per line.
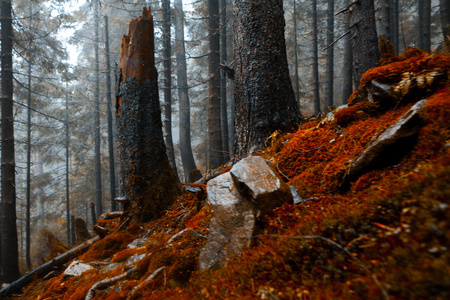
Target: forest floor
384,236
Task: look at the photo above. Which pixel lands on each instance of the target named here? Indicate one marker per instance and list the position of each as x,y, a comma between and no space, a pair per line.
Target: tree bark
98,167
385,19
112,164
347,70
424,24
364,38
145,172
264,98
297,79
394,25
167,63
330,55
187,157
315,64
223,80
215,151
8,181
444,11
28,195
66,125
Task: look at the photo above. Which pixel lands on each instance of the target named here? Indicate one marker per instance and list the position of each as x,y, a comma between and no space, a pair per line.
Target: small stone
297,198
76,268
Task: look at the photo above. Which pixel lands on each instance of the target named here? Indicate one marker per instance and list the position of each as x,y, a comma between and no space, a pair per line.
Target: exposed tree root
147,280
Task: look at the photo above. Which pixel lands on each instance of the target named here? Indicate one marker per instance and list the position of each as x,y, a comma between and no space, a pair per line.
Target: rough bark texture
315,66
330,54
167,63
8,205
424,24
364,38
394,25
187,157
264,98
215,151
145,174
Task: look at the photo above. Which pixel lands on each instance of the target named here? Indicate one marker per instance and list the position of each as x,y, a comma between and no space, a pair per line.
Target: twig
336,40
147,280
318,237
107,282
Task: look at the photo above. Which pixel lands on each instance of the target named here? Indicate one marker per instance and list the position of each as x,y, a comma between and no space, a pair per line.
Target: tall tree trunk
112,164
167,62
98,166
69,240
10,253
28,196
215,149
425,25
364,38
330,55
444,11
315,64
145,172
297,79
394,25
187,157
223,80
347,70
385,19
265,100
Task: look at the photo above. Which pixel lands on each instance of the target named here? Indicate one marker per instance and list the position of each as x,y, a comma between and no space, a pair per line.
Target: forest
140,141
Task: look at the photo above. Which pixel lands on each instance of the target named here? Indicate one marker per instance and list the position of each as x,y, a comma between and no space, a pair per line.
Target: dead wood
47,267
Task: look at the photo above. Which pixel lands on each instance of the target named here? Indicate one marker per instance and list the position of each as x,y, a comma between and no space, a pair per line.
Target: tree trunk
394,25
315,64
364,38
385,19
347,70
297,79
223,80
28,196
8,181
67,171
187,157
145,173
265,100
330,55
112,164
98,167
167,62
215,151
444,11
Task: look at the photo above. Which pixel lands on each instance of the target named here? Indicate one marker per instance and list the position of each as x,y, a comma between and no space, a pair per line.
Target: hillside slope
383,234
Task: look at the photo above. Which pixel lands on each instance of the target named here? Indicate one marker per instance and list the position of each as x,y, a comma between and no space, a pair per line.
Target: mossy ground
389,231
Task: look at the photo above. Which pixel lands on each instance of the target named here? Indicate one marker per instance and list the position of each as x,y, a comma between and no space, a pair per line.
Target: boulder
240,197
76,268
390,146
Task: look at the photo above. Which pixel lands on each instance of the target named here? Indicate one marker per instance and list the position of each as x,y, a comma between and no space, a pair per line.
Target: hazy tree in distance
167,62
444,11
330,55
394,26
385,19
347,69
8,181
223,80
363,32
424,25
264,97
315,64
187,157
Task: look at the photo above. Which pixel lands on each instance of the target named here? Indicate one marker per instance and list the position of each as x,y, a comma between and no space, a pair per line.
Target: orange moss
127,253
108,246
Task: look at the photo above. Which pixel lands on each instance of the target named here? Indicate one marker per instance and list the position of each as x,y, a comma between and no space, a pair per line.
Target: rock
192,189
232,225
259,182
297,198
390,146
76,268
137,243
240,197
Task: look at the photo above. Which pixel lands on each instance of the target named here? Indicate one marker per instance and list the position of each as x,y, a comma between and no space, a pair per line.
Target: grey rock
76,268
392,142
297,198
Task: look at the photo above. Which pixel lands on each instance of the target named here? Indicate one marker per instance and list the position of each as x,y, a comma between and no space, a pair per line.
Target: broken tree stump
145,174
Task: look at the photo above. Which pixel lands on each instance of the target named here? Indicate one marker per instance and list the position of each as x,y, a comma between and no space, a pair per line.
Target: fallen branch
147,280
318,237
107,282
47,267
